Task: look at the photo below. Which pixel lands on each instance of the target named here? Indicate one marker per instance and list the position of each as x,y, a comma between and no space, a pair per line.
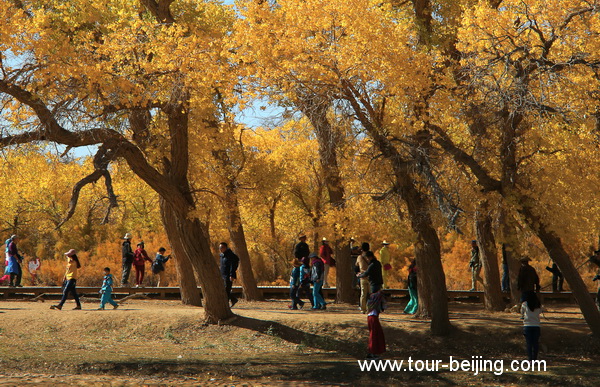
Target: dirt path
152,342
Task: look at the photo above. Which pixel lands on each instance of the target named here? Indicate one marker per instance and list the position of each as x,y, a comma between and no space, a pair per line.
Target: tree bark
492,291
238,240
190,295
316,109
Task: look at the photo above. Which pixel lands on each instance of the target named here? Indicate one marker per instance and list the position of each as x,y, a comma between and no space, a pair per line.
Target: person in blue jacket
229,265
106,291
295,285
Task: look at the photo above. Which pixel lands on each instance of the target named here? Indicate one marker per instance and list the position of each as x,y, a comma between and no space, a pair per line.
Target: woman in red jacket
139,258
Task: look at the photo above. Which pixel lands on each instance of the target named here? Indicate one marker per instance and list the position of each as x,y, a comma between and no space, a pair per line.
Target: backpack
304,275
157,267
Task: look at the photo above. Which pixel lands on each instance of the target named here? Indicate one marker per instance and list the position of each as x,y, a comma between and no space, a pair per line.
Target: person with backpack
70,280
531,309
304,289
158,266
106,290
127,259
139,262
317,278
295,278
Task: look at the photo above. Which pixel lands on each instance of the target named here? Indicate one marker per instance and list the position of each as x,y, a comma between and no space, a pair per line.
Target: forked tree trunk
239,246
492,291
190,295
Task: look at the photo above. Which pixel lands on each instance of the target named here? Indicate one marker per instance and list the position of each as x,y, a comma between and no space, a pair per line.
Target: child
106,291
375,305
295,285
158,266
530,313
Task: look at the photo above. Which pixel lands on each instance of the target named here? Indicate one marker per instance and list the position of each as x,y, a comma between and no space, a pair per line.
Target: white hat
70,253
385,242
324,239
127,236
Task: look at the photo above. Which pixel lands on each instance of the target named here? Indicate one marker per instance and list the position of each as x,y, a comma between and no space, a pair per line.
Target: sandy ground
153,342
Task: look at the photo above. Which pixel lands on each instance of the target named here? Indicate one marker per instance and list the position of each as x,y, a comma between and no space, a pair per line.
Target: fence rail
268,291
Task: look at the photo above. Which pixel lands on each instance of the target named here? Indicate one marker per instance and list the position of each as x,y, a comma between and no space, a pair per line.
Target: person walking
14,262
531,309
362,263
373,273
475,266
70,280
317,274
158,266
295,278
528,282
127,259
413,304
326,254
106,290
139,262
375,306
305,274
386,261
301,249
229,266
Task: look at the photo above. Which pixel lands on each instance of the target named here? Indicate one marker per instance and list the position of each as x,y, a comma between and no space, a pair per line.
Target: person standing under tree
70,280
528,282
295,278
386,261
158,266
475,266
375,305
33,266
557,278
530,313
326,254
316,276
301,250
362,263
229,266
413,304
505,272
139,262
14,262
127,258
374,273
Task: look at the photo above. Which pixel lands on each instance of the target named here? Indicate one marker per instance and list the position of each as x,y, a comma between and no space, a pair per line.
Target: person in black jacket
229,265
127,255
301,250
374,272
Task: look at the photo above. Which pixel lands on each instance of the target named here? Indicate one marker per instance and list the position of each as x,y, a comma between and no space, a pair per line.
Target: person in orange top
70,280
139,260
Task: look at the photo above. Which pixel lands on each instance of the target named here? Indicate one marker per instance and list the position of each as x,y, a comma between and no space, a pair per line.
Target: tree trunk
316,109
190,295
555,249
193,238
492,291
509,244
238,240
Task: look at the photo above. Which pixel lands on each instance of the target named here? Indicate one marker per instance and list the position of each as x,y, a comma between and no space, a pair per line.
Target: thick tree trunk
194,240
492,291
509,244
239,246
555,249
316,109
190,295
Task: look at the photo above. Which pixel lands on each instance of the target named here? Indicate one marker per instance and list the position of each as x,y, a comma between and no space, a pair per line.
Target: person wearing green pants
413,304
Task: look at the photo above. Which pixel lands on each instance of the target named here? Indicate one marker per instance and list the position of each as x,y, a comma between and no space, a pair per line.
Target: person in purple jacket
14,262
